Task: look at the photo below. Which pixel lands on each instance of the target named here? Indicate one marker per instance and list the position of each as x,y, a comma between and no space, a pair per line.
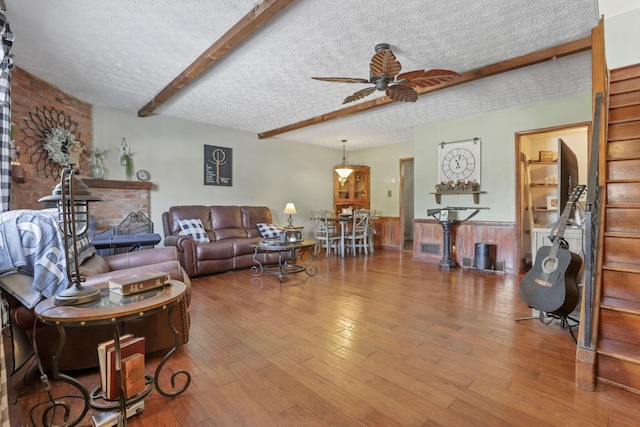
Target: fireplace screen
113,240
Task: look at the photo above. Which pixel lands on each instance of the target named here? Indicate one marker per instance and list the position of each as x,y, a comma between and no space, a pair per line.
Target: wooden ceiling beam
249,24
565,49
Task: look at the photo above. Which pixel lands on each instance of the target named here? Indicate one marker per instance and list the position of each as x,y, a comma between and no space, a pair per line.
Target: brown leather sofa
80,350
231,229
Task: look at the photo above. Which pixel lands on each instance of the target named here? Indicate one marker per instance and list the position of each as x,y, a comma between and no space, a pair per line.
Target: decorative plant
465,185
98,156
14,152
58,143
127,159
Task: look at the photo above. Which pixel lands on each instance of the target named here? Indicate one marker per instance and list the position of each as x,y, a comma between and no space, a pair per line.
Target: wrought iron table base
284,267
92,399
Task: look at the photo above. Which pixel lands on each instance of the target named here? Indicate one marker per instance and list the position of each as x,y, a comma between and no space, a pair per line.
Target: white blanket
31,243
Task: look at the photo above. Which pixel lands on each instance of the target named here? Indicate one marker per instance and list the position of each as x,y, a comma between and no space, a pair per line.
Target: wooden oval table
111,309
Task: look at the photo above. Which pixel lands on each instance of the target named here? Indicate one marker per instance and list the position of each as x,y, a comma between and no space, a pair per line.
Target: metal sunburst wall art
52,141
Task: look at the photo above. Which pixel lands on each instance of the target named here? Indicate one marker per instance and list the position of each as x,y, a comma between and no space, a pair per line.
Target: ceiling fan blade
360,94
341,79
422,78
385,62
402,93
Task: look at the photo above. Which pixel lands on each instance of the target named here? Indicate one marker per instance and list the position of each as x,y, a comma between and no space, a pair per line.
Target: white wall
621,31
498,173
384,162
265,172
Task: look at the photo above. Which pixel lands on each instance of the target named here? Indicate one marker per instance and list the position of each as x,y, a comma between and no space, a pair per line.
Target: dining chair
325,233
371,231
357,235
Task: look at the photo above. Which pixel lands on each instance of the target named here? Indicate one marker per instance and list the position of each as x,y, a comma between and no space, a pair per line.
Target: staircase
618,349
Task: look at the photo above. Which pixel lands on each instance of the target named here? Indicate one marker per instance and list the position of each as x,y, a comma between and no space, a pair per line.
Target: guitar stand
549,318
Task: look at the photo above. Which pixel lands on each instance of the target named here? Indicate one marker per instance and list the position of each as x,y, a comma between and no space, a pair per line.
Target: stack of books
132,366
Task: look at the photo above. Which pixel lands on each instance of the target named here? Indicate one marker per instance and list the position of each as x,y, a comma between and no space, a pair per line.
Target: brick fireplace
120,197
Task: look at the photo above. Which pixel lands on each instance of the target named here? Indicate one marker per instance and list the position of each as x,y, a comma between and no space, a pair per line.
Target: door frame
519,184
402,162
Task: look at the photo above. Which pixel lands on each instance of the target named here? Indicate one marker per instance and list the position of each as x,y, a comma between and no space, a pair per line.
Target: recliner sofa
230,231
80,350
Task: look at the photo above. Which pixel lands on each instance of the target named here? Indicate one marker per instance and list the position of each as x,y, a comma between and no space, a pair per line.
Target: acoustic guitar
551,284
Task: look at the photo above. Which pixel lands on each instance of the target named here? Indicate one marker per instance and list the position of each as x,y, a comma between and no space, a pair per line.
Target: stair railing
592,233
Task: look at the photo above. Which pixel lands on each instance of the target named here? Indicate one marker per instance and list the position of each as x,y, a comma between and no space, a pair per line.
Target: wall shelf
476,195
122,185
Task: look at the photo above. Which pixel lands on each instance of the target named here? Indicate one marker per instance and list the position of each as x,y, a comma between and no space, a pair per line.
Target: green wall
273,172
384,162
265,172
498,165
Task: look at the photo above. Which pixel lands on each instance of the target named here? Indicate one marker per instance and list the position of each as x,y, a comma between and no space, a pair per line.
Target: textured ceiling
121,53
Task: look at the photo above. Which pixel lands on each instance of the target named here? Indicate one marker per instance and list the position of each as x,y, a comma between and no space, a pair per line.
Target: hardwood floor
375,340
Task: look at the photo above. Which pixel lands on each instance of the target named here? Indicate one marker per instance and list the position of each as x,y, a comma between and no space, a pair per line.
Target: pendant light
344,171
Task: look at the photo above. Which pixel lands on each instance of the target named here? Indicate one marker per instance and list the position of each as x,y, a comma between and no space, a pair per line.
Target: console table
284,266
110,312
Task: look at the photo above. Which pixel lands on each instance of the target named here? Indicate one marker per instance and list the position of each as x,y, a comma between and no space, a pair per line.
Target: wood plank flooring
375,340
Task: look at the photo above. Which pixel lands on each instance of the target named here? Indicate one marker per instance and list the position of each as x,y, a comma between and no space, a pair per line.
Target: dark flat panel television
567,175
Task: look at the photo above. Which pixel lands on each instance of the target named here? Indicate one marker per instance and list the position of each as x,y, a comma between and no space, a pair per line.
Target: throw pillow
269,231
194,228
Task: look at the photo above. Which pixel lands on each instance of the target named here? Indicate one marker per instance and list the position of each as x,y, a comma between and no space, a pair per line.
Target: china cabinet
353,191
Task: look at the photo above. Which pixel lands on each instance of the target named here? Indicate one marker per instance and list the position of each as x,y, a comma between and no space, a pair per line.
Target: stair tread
622,181
622,234
621,158
624,73
619,350
621,305
621,206
618,266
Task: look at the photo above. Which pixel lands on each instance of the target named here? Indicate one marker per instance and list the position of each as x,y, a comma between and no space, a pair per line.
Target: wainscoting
388,234
427,241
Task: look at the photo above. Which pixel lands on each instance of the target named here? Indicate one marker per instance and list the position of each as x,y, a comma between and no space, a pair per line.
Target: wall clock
459,161
143,175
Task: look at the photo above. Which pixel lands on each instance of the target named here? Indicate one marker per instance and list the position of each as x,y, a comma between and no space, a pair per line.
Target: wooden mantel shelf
476,195
122,185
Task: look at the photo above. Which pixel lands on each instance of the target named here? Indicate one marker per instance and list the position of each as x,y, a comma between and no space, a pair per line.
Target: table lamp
291,210
72,199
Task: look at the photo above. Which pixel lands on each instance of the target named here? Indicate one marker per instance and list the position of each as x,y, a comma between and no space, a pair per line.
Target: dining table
344,221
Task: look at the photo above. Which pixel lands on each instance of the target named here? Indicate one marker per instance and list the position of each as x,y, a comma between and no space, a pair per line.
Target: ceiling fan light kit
384,74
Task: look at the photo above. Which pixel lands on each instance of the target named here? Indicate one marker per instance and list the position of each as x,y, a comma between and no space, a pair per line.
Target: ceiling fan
385,75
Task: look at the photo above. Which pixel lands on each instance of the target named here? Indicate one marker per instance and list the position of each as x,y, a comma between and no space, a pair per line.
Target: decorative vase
97,171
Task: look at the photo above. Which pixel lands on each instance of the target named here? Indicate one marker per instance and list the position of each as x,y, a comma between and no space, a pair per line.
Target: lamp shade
344,172
290,209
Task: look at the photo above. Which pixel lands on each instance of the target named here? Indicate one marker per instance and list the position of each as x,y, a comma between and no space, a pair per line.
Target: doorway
537,181
406,204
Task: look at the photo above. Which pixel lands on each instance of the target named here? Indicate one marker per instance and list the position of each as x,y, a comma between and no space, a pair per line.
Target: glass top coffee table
287,258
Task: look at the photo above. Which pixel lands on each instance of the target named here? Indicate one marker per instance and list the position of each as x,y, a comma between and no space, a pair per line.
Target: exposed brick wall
29,92
117,204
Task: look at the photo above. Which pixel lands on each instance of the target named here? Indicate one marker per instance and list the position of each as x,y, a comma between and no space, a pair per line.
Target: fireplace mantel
124,197
121,185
